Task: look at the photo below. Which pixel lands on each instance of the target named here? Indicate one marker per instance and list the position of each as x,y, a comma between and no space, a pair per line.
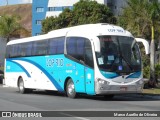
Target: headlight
100,81
140,82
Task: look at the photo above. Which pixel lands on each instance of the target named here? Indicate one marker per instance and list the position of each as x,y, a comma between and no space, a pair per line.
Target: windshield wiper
129,65
121,57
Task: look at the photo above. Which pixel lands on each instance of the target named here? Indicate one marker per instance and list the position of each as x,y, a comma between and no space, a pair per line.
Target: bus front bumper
118,89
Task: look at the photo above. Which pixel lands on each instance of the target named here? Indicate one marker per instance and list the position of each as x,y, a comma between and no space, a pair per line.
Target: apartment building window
38,34
59,8
39,9
70,7
51,8
38,22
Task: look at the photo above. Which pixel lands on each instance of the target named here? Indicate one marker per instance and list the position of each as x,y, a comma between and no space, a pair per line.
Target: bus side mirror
145,43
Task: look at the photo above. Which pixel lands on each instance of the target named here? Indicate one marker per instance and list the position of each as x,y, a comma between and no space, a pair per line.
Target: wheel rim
21,86
71,88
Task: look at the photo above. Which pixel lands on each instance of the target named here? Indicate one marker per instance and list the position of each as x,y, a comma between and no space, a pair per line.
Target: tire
21,87
70,89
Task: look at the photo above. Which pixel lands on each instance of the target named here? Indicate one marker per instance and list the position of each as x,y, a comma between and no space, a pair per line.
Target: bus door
79,49
89,69
75,64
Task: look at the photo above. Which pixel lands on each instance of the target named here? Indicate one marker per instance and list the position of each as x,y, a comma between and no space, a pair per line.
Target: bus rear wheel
70,89
21,87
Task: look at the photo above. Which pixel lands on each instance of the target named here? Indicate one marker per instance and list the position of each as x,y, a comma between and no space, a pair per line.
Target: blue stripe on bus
134,75
27,73
109,75
55,83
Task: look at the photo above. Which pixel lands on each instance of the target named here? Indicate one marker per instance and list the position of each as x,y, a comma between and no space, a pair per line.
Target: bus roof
87,30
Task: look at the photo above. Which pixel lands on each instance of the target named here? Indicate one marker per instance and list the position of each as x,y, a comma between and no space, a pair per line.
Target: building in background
117,6
39,10
47,8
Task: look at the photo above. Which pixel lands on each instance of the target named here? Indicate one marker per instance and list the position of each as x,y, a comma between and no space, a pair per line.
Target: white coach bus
95,59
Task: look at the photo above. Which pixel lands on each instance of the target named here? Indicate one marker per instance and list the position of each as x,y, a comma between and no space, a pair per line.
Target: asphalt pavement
138,95
11,100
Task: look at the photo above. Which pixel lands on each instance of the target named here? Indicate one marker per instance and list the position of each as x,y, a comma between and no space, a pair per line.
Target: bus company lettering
51,62
115,30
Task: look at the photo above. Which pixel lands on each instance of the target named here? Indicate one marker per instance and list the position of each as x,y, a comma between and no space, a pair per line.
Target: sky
12,2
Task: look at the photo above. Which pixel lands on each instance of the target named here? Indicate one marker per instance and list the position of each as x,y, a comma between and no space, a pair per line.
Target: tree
9,25
83,12
87,11
141,17
53,22
133,17
153,20
65,18
48,24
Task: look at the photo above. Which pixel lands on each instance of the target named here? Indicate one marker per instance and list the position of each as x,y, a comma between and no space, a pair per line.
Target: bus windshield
118,54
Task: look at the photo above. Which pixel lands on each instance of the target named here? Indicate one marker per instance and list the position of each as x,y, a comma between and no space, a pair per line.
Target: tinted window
80,49
15,50
75,47
88,54
60,46
56,46
8,51
52,46
40,47
28,48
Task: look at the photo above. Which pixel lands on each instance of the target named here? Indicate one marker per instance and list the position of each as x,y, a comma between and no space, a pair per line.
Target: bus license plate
123,88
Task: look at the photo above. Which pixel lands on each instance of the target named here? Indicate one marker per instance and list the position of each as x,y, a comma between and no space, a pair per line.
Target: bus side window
52,47
56,46
75,47
8,51
88,54
40,47
15,51
71,47
28,49
60,45
80,49
11,51
23,49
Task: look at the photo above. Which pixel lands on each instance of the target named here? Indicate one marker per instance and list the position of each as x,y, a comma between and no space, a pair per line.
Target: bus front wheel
70,89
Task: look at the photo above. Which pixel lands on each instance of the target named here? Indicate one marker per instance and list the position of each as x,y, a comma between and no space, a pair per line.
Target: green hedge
146,71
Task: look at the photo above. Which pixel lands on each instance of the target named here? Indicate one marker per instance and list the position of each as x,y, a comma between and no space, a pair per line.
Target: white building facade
46,8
